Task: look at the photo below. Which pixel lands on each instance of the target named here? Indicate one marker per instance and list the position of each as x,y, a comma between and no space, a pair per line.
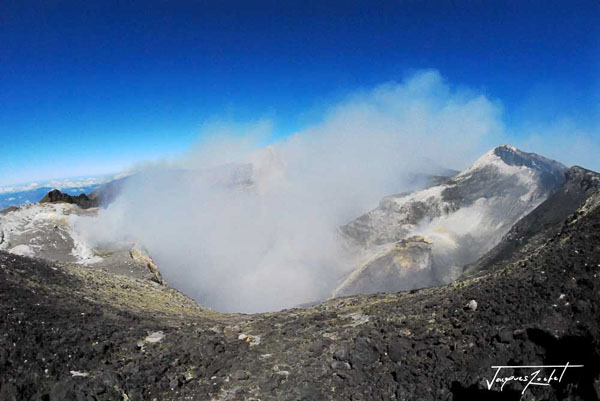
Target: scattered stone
75,373
472,304
155,337
240,375
398,349
188,376
341,354
232,329
357,319
254,340
520,334
337,365
250,339
504,336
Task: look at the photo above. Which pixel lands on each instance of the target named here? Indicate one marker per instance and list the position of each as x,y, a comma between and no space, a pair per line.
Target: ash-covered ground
71,332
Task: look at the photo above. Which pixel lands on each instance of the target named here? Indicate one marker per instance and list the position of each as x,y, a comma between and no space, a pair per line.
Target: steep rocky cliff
462,218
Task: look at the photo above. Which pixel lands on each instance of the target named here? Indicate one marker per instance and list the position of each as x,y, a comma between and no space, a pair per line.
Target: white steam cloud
241,228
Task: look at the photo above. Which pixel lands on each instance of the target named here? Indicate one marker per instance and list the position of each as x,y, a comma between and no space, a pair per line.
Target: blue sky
92,87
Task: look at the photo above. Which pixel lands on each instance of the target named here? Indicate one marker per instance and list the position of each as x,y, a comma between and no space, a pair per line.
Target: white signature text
535,378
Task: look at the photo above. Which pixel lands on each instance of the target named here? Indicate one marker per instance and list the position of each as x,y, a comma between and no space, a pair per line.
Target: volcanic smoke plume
241,228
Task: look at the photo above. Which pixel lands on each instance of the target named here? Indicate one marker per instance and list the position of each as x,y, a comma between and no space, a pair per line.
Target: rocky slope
406,264
72,332
461,218
46,231
543,222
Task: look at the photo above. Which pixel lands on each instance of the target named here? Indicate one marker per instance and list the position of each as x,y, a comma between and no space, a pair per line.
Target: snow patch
432,193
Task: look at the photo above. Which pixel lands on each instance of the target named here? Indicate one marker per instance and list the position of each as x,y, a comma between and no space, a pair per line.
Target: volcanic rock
461,219
82,200
404,265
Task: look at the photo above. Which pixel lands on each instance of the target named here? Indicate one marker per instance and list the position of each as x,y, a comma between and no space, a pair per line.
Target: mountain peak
507,156
506,147
515,157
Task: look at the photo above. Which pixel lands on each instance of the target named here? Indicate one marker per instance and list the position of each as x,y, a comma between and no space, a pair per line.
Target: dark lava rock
81,200
240,375
504,336
398,349
340,365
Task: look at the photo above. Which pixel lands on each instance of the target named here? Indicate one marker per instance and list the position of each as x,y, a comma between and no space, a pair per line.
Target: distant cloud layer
59,184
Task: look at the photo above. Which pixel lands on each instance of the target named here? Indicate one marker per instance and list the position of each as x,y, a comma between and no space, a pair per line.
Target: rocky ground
71,332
